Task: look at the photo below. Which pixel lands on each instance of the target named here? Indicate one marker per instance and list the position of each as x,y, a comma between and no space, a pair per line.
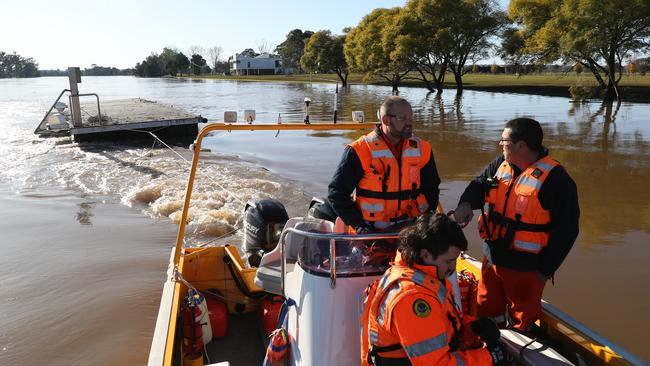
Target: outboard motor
263,223
321,208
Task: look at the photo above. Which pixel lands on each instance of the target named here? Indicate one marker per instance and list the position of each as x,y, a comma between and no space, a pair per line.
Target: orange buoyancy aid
390,187
515,213
436,325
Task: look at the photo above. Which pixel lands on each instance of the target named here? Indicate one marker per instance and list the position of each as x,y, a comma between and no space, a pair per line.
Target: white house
264,64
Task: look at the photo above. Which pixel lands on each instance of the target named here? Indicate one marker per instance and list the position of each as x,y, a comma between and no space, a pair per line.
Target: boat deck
244,344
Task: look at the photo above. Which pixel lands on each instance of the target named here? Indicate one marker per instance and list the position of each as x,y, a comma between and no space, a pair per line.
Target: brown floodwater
87,230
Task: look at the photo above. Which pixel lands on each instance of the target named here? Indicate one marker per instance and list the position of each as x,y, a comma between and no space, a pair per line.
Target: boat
297,287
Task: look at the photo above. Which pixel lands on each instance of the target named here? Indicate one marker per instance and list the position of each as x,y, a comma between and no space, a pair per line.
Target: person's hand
486,330
363,229
463,214
489,333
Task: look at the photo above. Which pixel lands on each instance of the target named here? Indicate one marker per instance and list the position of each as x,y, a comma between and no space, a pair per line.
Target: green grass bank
634,88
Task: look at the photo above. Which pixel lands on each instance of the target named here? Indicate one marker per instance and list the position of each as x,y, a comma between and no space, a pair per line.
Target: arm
425,338
559,195
344,182
430,182
474,195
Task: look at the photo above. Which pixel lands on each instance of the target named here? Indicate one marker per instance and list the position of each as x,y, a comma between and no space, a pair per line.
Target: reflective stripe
530,182
384,303
383,281
502,174
380,224
372,336
525,245
411,153
459,360
381,154
426,346
418,277
442,292
371,138
372,206
423,207
544,166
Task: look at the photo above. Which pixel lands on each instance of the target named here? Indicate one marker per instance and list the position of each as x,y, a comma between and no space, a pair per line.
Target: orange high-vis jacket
390,188
409,316
514,211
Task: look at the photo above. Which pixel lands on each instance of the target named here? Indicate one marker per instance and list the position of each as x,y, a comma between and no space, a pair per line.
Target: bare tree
263,46
214,54
195,50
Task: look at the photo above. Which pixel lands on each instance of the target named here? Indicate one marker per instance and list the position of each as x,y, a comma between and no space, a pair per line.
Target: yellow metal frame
247,275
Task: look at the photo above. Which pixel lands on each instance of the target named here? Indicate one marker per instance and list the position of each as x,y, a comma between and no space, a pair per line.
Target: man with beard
392,173
409,317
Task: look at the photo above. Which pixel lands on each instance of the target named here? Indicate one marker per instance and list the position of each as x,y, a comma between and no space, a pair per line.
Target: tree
263,46
420,37
182,62
597,33
370,48
195,50
197,62
324,53
292,48
12,65
168,60
214,54
249,52
511,50
468,27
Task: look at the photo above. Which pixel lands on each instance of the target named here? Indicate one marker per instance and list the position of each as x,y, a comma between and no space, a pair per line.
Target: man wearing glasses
392,173
529,227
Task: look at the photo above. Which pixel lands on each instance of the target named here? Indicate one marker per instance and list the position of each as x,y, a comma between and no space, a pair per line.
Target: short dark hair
433,232
527,130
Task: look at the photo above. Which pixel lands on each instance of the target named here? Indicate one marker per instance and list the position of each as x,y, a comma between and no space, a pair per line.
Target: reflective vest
435,337
515,216
390,188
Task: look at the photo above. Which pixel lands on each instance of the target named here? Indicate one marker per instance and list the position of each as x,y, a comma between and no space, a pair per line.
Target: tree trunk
343,77
459,82
426,81
612,87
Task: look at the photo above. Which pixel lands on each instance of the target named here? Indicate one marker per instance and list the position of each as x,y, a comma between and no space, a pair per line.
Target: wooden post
74,75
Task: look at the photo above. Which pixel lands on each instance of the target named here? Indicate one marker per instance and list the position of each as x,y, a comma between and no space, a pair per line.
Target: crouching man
409,317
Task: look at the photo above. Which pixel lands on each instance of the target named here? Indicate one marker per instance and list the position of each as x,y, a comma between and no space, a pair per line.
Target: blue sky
120,33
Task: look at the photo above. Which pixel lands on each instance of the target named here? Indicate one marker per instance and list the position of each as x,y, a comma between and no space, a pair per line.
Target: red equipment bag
218,313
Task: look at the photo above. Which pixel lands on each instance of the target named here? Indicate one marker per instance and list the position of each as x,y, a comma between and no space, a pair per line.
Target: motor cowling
264,220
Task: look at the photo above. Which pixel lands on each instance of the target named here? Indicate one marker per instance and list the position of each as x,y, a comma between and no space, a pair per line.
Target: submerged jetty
123,121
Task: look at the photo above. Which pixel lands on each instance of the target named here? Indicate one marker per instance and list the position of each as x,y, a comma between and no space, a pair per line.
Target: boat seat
268,275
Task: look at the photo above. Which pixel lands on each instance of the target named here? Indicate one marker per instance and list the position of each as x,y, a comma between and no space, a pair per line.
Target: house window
249,64
277,63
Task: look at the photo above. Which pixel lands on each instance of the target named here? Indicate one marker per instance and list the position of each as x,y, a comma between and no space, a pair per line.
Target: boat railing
196,149
355,247
41,126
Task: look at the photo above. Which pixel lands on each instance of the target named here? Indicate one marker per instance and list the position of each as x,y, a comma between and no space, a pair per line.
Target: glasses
505,140
400,118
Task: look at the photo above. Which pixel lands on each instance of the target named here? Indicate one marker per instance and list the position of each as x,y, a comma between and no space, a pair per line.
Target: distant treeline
93,71
13,65
173,62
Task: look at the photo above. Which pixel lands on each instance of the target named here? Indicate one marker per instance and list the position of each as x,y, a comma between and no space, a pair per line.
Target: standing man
409,316
529,227
393,172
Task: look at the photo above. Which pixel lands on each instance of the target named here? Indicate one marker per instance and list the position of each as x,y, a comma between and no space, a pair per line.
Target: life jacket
390,188
515,216
379,347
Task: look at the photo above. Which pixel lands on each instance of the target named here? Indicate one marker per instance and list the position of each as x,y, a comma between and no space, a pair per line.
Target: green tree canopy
421,32
292,48
13,65
597,33
468,26
198,62
249,52
370,47
324,53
